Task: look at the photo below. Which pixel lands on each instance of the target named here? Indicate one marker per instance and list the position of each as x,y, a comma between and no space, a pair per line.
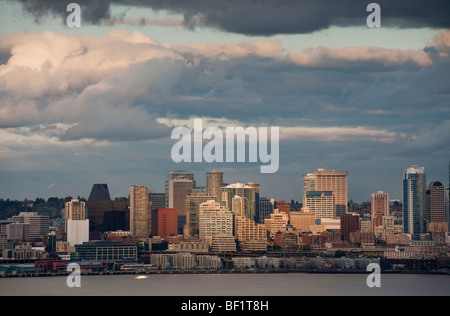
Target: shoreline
175,272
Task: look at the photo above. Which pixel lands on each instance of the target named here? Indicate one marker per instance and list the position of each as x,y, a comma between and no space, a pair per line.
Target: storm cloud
264,17
93,107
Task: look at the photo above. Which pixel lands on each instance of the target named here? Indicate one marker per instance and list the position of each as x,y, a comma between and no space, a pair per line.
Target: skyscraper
329,180
38,225
118,218
448,199
414,201
321,203
249,191
158,200
436,212
98,203
215,219
436,202
76,224
239,204
180,175
140,212
265,209
380,208
309,184
76,210
179,189
214,183
193,202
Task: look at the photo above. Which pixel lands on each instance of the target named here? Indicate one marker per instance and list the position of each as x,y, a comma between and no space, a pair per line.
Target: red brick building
164,222
349,224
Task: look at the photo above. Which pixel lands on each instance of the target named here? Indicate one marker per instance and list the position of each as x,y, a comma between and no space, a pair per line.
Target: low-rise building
196,247
24,252
223,243
105,251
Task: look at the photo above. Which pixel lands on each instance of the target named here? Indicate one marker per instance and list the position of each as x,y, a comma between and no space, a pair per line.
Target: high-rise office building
249,191
239,204
309,184
158,200
77,226
214,183
140,212
76,210
321,203
329,180
118,218
265,209
380,208
414,201
193,202
215,219
178,175
436,212
448,199
179,189
436,202
17,231
39,225
98,204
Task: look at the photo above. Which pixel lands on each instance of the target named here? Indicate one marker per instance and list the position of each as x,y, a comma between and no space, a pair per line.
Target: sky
98,103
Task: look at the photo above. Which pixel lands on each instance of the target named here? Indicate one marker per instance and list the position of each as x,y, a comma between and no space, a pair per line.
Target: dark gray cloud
92,11
5,55
265,17
122,105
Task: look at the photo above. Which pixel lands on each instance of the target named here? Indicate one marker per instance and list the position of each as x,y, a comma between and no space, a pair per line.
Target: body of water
291,284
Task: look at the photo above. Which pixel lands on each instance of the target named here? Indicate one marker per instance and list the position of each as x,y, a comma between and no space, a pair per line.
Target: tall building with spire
414,201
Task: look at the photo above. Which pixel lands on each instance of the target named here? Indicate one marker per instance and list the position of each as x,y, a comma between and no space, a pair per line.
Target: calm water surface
231,285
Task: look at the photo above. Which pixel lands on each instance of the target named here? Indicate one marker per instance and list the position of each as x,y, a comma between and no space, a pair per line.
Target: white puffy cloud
344,56
48,63
128,87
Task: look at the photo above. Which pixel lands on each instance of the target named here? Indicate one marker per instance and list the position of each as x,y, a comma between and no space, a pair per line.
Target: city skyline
203,184
97,104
